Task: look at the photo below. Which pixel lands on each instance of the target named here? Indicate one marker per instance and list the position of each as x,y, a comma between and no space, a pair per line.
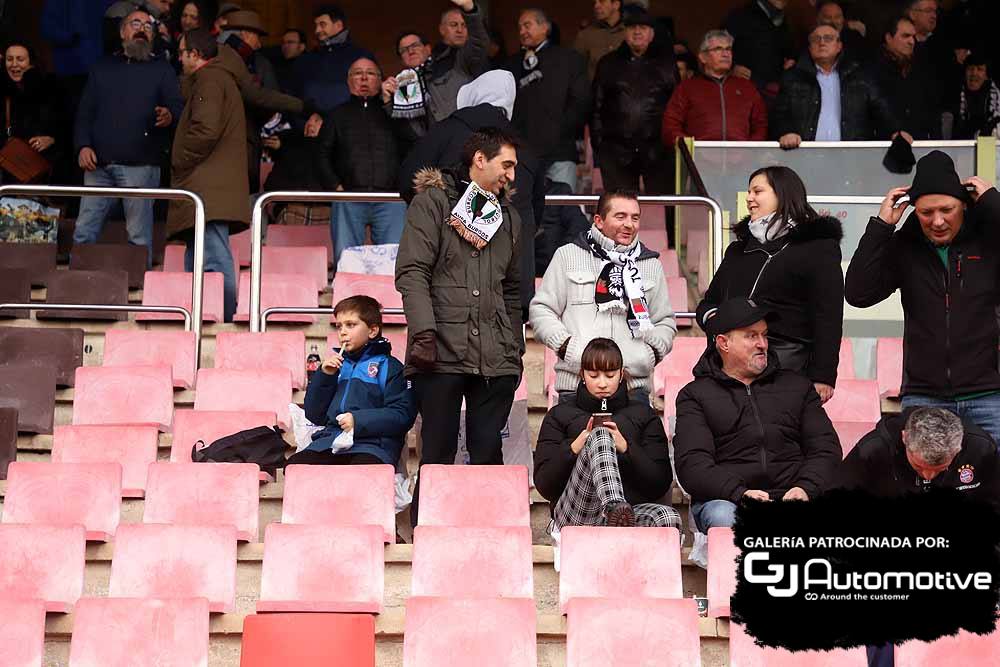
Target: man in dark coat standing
320,76
631,89
746,428
764,45
553,101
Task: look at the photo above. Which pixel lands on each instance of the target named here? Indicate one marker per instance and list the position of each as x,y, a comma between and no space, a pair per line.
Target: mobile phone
600,418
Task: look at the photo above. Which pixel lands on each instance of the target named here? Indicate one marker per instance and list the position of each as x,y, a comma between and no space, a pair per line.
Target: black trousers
328,458
621,169
487,407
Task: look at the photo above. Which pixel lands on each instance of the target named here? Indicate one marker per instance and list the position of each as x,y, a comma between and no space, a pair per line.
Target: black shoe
620,515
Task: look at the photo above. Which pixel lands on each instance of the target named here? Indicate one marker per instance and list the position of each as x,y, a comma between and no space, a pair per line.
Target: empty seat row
109,288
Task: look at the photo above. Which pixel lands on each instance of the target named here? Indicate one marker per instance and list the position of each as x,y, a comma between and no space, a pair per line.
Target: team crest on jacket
966,474
372,369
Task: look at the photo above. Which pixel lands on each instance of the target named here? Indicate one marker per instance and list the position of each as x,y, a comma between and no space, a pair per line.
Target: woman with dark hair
30,101
786,257
602,459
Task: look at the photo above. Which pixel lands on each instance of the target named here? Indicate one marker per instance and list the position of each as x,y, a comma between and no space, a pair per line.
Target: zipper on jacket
947,323
760,425
722,100
766,262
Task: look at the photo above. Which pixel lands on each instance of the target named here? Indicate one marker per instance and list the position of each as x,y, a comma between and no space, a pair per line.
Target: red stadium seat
965,649
485,633
889,366
111,257
341,496
845,366
601,562
307,262
286,290
472,562
297,236
855,401
163,288
134,447
15,287
308,640
173,258
65,494
239,244
122,632
204,494
474,496
850,433
35,259
107,288
163,561
322,569
44,563
261,390
31,390
263,351
60,349
137,395
632,633
22,633
380,288
135,347
722,555
743,652
677,289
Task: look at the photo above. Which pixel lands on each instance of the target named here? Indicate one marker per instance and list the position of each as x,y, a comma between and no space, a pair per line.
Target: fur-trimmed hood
821,227
447,179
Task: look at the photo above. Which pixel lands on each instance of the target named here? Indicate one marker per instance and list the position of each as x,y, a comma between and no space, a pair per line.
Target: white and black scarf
619,283
477,216
409,99
767,229
991,117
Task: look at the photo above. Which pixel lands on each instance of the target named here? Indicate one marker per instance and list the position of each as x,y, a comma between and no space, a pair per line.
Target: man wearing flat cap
945,262
746,428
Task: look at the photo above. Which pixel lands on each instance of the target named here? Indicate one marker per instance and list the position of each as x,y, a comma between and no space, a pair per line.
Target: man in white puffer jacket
606,284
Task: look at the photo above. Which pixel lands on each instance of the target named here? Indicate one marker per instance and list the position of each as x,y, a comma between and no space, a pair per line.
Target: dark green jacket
470,298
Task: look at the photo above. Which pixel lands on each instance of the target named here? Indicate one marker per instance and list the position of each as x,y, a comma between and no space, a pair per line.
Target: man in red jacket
714,105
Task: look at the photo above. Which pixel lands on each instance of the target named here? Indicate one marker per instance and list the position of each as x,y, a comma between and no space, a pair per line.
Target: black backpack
262,445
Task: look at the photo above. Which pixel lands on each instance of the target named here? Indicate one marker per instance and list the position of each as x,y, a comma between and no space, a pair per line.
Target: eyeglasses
719,49
139,24
823,39
410,48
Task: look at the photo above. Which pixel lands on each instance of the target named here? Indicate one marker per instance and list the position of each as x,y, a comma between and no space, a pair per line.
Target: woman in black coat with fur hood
786,257
29,109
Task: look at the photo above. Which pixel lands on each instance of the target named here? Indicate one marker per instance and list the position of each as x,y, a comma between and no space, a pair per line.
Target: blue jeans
138,212
713,514
218,259
984,411
348,221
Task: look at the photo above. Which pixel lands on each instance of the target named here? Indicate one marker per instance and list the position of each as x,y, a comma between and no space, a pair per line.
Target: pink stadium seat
306,262
597,183
395,335
173,258
671,265
474,496
261,390
671,387
136,347
162,288
308,640
653,218
134,447
380,288
850,433
263,351
722,555
44,563
677,289
341,496
136,395
300,235
322,569
472,562
965,648
653,236
889,366
855,401
743,652
240,246
600,562
164,561
549,376
697,243
680,363
845,366
632,633
121,632
22,633
286,290
190,426
488,633
65,494
204,494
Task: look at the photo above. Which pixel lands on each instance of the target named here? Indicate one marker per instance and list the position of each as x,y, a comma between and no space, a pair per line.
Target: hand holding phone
600,417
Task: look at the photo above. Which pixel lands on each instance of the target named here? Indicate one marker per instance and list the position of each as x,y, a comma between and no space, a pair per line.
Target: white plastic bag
302,428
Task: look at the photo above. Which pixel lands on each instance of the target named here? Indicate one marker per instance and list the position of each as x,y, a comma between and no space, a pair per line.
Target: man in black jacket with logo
631,89
923,449
945,262
746,428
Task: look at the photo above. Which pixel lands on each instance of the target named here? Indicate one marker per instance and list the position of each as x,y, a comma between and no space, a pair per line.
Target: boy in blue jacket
359,395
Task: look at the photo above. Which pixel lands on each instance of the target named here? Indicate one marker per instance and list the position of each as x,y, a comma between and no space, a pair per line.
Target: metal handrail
685,153
198,263
257,217
936,143
102,308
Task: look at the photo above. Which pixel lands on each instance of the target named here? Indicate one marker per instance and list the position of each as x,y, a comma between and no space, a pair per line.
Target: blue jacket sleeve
86,113
397,415
319,395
